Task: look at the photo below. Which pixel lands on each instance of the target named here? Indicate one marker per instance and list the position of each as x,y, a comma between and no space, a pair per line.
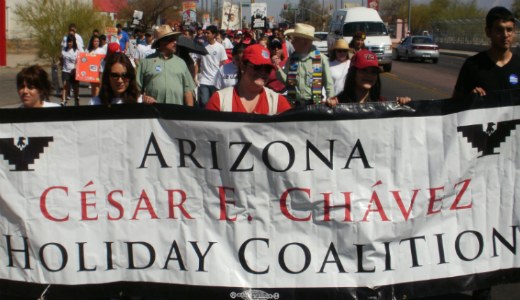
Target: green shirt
165,79
304,75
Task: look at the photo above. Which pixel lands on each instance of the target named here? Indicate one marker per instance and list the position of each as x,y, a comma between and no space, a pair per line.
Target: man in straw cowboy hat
307,70
163,77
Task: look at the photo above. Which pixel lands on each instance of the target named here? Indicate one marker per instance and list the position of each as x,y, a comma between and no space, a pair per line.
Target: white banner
259,15
293,204
231,15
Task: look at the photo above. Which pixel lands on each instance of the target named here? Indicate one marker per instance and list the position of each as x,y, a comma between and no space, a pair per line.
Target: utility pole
322,15
410,16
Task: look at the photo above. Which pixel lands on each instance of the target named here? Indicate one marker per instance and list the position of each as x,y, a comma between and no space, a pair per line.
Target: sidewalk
18,60
458,53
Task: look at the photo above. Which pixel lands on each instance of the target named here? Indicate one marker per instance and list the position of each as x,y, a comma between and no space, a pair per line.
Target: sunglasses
261,68
116,76
370,71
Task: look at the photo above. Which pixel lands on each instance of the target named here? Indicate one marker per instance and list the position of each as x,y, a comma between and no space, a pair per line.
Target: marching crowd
240,71
263,72
248,71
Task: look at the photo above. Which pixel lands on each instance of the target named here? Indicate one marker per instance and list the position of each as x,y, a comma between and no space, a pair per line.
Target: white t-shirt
46,104
142,51
227,44
99,50
210,63
338,72
79,42
69,59
227,76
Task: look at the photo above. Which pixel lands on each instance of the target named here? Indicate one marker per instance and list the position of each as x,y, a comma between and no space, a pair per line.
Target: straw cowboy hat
162,32
340,44
302,31
288,31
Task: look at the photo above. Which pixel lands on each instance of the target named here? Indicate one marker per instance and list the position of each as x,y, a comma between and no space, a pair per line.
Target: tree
309,12
515,7
48,21
391,10
153,10
423,15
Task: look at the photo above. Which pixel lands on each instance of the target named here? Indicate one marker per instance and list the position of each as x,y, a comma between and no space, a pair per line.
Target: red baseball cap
247,39
113,48
257,55
364,59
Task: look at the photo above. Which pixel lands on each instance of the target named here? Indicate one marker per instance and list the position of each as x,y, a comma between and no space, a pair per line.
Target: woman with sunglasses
250,94
363,83
118,84
339,64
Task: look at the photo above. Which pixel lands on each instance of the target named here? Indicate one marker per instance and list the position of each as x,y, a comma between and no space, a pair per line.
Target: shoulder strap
272,100
226,99
317,74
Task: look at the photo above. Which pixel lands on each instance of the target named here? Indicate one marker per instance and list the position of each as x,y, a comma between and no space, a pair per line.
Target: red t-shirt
262,107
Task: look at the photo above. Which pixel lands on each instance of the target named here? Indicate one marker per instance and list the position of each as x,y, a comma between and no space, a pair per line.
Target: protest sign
88,67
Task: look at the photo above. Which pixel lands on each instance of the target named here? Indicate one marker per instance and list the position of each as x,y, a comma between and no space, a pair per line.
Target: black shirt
480,71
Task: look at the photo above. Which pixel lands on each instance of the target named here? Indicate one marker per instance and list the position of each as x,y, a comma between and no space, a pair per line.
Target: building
14,30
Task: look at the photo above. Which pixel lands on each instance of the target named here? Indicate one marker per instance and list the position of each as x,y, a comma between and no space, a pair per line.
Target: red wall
3,40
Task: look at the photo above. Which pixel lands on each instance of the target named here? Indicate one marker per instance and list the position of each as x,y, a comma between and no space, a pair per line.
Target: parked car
322,43
418,47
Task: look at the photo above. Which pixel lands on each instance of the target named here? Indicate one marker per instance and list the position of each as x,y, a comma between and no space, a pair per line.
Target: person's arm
466,83
140,77
327,81
281,74
188,98
403,100
219,78
189,87
223,56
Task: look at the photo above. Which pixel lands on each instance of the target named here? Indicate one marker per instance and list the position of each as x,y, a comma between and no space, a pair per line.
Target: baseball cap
364,59
359,34
113,48
275,44
257,55
247,39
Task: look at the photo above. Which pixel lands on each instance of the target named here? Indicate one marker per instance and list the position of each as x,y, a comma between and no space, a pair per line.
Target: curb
462,54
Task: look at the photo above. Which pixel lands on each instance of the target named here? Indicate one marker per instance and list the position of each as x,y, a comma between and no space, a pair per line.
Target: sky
275,6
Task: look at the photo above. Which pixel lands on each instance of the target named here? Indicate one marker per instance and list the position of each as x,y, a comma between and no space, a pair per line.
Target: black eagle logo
486,141
24,152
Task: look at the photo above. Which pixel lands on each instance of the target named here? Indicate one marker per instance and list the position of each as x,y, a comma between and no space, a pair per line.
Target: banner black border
321,112
419,289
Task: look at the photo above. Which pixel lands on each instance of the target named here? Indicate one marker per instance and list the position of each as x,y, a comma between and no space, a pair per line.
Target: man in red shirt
250,94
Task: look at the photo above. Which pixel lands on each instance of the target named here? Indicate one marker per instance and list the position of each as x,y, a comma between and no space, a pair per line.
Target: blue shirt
123,39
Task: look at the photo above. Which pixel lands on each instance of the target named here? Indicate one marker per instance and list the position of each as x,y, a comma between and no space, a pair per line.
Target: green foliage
309,12
152,9
423,15
48,22
391,10
515,8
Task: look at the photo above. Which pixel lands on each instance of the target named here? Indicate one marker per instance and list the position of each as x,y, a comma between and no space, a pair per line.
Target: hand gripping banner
363,200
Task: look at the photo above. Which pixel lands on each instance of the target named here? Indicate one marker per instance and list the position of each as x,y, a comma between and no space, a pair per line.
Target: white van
346,22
